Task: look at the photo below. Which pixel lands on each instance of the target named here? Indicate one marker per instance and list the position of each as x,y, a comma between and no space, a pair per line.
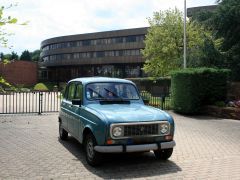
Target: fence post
40,103
163,101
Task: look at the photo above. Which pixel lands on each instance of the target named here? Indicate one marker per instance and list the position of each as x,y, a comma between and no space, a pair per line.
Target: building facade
111,53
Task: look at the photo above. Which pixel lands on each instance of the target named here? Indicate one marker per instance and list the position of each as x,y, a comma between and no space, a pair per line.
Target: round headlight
117,131
164,128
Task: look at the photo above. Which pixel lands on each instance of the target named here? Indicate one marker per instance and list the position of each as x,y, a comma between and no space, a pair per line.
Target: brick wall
19,72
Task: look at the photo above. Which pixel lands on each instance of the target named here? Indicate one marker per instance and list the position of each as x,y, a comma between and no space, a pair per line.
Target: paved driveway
207,148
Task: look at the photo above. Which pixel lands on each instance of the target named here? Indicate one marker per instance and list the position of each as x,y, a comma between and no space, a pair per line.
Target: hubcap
90,150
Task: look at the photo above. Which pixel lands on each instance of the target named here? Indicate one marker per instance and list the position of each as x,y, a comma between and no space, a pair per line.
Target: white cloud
51,18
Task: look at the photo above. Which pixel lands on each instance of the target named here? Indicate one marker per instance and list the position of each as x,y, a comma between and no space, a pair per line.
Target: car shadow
129,165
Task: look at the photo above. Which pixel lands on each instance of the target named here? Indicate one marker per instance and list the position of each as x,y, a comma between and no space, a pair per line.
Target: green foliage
40,87
4,83
35,55
14,56
164,43
224,23
46,87
6,20
220,104
26,56
193,88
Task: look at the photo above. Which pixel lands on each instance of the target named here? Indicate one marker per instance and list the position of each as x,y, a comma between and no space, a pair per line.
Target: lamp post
184,38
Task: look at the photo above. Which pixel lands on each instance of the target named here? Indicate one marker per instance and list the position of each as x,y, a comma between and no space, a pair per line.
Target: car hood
134,112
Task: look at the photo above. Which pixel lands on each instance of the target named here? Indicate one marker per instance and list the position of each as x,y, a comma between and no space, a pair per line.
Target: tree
4,21
3,35
225,25
26,56
164,43
35,55
1,56
14,56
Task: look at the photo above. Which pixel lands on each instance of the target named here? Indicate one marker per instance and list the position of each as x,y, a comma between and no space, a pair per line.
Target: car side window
79,92
71,91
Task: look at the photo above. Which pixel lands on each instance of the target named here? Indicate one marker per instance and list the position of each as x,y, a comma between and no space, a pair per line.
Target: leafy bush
220,104
40,87
193,88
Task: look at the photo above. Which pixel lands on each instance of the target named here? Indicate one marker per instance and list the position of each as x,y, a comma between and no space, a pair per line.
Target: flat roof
86,80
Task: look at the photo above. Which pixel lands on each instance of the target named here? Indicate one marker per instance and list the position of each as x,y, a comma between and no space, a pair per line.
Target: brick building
19,72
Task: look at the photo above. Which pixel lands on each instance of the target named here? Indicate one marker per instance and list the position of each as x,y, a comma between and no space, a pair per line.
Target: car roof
87,80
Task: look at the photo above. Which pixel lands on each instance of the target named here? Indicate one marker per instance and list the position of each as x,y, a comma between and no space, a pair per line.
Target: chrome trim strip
138,123
108,149
134,148
167,145
141,147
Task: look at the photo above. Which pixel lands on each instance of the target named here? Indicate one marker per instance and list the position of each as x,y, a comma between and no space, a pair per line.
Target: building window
131,39
86,42
100,54
93,42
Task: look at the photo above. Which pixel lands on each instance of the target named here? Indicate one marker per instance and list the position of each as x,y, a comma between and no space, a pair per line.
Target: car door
77,119
64,113
70,107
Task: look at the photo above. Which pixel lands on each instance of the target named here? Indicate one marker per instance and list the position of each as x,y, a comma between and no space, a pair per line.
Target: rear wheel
63,134
163,154
93,157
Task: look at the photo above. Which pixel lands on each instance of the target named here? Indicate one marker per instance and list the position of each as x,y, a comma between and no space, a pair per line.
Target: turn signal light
168,137
109,141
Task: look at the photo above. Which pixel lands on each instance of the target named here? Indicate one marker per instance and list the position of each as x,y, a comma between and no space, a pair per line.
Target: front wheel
163,154
93,157
63,134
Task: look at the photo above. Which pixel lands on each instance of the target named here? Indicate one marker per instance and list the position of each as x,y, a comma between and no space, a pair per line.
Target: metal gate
29,102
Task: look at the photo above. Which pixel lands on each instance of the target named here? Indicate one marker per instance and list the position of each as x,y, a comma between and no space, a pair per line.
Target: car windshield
111,91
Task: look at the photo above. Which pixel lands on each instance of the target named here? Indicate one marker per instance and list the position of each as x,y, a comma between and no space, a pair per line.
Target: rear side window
79,92
70,91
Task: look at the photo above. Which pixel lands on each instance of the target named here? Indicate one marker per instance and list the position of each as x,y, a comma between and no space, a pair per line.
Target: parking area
207,148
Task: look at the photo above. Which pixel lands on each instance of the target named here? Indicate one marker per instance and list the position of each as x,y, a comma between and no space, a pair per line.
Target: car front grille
141,130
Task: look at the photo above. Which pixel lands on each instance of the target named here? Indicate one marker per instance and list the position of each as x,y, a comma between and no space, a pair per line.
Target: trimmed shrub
40,87
195,87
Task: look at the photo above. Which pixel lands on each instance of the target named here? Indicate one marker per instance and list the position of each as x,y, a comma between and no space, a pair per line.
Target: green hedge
193,88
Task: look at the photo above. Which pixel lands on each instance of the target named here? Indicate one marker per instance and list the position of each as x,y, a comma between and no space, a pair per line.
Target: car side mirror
77,102
146,101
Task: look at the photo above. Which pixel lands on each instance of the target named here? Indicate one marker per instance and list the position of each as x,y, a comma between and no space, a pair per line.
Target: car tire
63,134
163,154
93,157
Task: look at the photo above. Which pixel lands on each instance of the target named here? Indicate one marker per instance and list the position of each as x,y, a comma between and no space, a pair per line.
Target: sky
52,18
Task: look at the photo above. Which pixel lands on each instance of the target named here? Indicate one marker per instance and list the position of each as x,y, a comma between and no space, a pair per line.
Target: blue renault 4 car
107,115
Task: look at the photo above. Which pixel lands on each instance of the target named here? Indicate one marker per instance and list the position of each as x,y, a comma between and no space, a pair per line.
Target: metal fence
161,101
29,102
45,102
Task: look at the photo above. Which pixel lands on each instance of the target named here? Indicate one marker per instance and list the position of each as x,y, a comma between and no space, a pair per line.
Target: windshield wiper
99,95
114,94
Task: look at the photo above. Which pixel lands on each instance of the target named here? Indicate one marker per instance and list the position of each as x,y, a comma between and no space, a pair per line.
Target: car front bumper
134,148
